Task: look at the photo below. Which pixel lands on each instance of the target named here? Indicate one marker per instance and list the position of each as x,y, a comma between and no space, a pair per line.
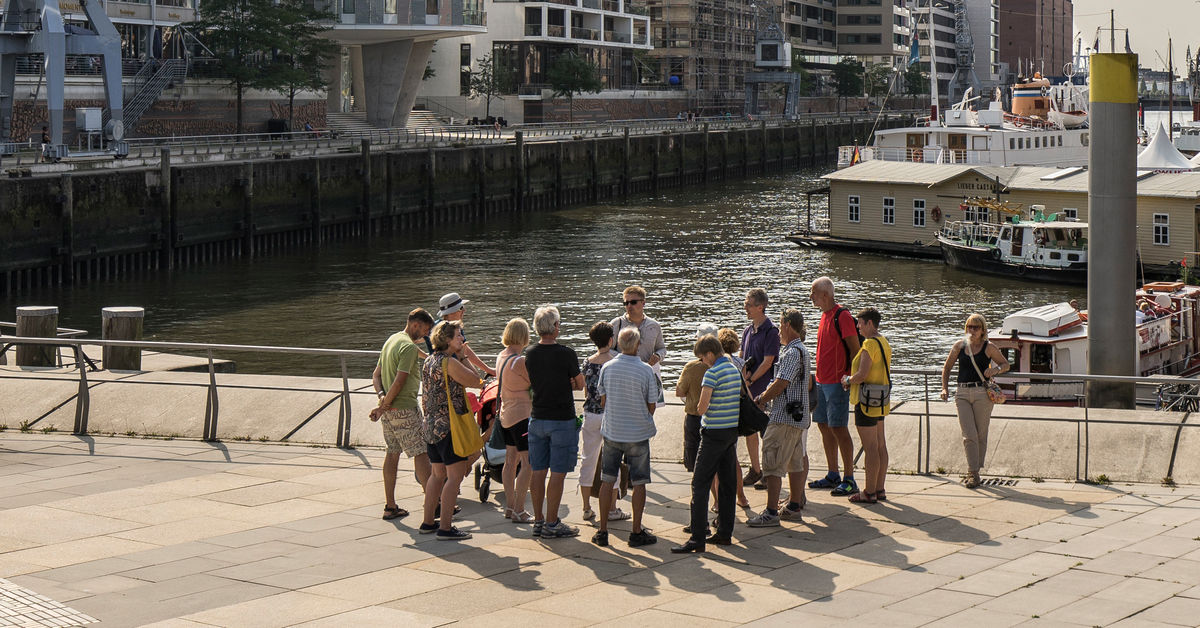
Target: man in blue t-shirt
720,396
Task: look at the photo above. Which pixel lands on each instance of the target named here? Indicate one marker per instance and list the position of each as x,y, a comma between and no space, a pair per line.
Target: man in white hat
451,307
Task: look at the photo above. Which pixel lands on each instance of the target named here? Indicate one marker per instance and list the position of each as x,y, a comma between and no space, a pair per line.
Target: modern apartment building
941,46
1035,34
984,19
875,31
527,37
810,25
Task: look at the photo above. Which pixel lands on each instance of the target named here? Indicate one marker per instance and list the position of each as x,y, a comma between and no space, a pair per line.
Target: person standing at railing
515,407
975,357
398,410
452,307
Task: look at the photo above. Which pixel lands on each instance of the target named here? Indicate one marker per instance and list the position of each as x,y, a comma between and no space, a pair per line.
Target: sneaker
846,488
600,538
618,515
428,528
638,539
829,481
558,530
763,520
537,528
751,477
787,512
453,534
589,514
972,481
760,486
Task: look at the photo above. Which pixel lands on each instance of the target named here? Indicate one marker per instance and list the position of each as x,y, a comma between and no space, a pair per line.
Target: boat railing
981,232
912,155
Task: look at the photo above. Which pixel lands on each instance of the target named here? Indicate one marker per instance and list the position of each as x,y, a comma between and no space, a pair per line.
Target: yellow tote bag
464,433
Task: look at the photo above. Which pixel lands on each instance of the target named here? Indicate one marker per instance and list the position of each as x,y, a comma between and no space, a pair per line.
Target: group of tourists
427,414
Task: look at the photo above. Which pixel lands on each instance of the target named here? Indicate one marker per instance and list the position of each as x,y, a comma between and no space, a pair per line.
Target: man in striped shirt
720,396
628,391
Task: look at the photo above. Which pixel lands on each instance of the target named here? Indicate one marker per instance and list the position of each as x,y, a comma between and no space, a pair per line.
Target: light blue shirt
628,384
725,402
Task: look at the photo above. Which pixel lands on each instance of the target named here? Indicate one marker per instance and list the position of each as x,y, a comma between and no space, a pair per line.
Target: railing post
212,406
83,397
343,435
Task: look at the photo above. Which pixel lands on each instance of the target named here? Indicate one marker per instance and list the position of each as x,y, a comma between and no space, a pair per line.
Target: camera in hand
795,409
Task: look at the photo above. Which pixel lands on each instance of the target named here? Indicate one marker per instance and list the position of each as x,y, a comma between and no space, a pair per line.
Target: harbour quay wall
113,223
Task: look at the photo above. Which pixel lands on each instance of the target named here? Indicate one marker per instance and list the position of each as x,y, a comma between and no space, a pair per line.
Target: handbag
877,395
464,433
995,395
751,418
622,483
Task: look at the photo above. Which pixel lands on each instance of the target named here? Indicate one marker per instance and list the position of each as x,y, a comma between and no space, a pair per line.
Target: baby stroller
491,462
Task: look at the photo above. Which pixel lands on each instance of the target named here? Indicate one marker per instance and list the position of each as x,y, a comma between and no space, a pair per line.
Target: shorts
636,455
862,420
402,431
442,452
691,440
553,445
517,435
834,407
783,449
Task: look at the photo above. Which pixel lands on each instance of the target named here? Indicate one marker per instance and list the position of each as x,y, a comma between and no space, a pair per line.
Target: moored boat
1038,249
1054,339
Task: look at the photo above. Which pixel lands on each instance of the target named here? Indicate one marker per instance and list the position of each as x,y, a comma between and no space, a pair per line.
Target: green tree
916,81
303,55
242,33
878,77
491,79
571,74
848,78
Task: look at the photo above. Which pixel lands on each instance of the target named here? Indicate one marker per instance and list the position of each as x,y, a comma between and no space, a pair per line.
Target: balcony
620,38
556,30
584,33
636,10
533,30
591,4
474,18
611,5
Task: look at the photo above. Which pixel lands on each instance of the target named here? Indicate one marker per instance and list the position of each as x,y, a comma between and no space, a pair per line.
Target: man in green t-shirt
398,407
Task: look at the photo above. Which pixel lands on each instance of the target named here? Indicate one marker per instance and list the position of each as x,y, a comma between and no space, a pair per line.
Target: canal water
696,252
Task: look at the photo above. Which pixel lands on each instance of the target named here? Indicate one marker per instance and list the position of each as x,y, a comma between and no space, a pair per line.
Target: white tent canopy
1162,156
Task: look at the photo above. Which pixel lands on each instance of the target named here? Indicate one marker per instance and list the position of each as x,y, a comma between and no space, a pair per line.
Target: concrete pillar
1112,221
166,215
122,323
333,79
392,74
358,83
36,321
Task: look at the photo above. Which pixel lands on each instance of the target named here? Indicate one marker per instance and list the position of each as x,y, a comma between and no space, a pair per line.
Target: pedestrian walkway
132,532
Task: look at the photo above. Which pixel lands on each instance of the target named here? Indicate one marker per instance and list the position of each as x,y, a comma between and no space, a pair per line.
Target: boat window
1013,356
1072,257
1012,143
1041,359
1059,141
853,209
918,212
1055,255
889,211
1083,139
1004,235
1037,142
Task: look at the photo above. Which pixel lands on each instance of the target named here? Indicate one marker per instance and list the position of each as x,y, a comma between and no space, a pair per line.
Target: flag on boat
914,54
856,157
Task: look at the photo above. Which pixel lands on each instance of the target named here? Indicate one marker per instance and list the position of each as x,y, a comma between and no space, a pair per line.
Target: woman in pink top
515,407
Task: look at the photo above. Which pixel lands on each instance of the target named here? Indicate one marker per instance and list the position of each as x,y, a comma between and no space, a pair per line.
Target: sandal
508,513
826,482
881,496
393,512
863,497
522,517
744,504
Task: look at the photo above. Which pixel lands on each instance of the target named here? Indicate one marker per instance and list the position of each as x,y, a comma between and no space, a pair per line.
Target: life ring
996,254
918,155
936,214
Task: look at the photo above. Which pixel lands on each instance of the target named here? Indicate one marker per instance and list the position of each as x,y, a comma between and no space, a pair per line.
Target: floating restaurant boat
1054,339
1040,248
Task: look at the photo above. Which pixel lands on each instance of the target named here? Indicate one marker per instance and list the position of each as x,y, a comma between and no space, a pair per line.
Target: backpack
837,315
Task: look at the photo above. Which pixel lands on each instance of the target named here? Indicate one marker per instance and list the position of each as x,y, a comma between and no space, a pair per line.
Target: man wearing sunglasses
653,347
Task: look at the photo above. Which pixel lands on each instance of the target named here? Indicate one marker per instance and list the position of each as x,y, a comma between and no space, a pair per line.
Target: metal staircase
147,85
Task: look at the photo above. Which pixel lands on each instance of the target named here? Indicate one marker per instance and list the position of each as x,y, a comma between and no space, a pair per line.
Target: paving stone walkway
181,533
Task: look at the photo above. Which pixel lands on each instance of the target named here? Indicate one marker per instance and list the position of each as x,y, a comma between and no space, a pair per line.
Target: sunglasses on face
632,302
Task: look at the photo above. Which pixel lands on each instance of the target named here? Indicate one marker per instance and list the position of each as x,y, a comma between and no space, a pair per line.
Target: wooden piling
36,321
122,323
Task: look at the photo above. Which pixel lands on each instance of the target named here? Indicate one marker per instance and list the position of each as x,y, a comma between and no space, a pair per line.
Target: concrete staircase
348,123
424,120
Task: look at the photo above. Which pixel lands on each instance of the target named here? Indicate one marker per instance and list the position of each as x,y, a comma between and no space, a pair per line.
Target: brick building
1036,32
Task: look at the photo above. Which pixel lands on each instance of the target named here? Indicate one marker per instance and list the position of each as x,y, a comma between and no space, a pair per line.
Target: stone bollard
122,323
37,321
